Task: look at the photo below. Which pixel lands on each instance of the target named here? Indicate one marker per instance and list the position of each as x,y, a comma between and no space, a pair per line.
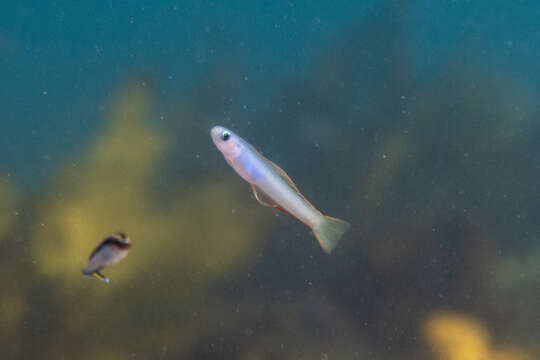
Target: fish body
111,250
273,187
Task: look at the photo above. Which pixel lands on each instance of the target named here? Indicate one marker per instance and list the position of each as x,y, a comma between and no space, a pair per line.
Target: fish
112,249
273,187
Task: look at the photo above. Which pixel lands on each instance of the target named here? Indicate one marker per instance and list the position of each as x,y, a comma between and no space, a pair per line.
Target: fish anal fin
265,200
277,207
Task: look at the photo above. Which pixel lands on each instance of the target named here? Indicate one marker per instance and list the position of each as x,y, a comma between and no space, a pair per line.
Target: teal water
416,123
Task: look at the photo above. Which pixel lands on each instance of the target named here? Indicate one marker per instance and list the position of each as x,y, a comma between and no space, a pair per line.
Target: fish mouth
215,132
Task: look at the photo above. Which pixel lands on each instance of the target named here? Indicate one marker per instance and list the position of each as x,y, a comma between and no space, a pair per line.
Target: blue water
417,123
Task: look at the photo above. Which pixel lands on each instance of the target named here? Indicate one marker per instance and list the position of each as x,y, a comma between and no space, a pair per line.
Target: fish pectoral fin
261,197
265,200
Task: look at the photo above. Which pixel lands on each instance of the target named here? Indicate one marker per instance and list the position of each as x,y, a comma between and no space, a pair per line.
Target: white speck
324,356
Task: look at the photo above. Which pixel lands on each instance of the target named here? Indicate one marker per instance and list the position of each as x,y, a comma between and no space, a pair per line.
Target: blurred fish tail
100,276
95,274
329,232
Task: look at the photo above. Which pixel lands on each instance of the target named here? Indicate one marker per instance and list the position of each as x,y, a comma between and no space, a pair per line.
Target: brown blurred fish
111,250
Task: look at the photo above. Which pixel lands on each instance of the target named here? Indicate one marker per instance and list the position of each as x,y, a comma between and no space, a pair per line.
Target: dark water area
415,122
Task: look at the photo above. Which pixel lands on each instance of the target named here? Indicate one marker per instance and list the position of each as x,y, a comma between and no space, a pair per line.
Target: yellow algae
180,245
110,191
106,193
8,210
11,311
456,337
518,272
511,354
104,353
129,146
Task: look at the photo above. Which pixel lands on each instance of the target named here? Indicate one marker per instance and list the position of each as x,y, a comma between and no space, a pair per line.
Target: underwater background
417,122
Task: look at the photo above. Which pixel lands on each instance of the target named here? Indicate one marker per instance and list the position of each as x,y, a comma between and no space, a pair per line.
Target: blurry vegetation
179,248
457,337
434,172
11,302
110,191
8,207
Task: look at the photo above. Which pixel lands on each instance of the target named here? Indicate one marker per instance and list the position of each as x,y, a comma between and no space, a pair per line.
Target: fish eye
225,135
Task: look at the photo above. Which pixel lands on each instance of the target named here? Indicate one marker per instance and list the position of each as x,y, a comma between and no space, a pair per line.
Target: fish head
122,240
227,142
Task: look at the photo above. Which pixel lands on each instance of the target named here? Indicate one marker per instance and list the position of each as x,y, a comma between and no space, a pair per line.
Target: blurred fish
111,250
273,187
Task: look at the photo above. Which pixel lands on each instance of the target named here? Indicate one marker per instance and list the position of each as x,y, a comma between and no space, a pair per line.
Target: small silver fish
273,187
111,250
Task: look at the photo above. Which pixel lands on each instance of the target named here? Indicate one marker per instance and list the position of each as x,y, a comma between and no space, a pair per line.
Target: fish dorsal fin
284,176
265,200
281,173
288,179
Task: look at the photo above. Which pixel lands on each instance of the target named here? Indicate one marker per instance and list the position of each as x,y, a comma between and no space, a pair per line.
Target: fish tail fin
95,274
329,232
100,276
